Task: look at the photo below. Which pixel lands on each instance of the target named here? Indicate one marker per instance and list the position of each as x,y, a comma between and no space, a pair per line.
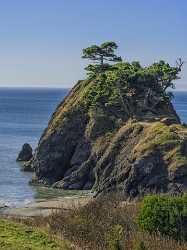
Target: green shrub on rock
164,214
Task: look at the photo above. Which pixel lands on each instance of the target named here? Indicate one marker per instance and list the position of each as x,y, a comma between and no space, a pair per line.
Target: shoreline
45,207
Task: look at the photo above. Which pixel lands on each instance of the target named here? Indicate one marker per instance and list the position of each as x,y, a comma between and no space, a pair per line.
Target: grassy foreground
104,223
14,236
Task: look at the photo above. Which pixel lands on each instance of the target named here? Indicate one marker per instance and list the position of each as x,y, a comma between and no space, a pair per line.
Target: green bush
164,214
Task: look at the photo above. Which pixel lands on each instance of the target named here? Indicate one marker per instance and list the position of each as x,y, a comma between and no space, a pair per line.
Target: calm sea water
180,104
24,113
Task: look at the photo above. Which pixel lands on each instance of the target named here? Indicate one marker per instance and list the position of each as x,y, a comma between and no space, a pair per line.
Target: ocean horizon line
34,87
63,87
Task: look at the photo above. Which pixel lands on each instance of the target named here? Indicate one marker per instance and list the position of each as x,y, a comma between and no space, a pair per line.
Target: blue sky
41,41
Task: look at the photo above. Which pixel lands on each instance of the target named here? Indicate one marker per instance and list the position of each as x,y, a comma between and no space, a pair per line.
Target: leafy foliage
103,92
164,214
126,80
100,54
158,77
132,78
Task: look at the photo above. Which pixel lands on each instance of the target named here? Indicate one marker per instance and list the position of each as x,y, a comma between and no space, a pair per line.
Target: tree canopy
126,82
100,55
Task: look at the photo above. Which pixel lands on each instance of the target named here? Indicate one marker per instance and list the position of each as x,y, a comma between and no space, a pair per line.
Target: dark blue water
180,104
24,113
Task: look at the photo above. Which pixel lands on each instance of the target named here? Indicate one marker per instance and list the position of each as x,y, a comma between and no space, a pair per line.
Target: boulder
25,154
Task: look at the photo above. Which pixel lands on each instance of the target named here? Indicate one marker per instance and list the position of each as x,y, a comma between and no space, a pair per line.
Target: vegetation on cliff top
119,82
119,86
122,83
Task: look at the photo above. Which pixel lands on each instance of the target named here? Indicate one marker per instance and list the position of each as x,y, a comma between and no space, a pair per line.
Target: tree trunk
102,61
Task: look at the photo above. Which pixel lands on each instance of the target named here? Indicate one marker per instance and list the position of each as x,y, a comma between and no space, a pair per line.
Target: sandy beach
45,207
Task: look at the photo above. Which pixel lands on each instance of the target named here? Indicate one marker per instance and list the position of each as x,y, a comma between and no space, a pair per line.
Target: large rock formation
105,138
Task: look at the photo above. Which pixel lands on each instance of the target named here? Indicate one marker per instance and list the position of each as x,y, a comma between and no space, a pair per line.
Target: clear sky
41,40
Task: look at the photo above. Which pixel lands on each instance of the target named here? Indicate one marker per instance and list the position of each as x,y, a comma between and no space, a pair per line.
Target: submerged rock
25,153
27,166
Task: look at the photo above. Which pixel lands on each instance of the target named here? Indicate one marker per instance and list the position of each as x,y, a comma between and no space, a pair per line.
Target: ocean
180,104
24,114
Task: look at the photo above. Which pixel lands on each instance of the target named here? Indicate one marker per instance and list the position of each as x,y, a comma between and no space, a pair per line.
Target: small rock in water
27,166
25,153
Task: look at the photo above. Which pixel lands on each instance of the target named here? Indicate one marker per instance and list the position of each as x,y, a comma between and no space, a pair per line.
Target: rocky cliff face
104,137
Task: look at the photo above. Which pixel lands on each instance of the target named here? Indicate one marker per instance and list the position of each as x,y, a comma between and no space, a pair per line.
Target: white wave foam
14,203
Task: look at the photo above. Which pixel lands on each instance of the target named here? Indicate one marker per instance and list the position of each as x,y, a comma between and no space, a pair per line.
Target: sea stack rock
25,153
112,136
